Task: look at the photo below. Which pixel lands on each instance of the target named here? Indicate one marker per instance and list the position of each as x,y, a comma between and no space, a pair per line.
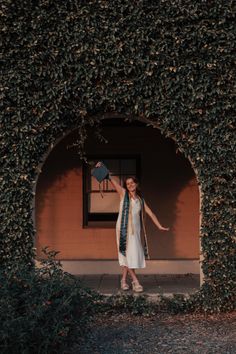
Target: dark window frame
102,218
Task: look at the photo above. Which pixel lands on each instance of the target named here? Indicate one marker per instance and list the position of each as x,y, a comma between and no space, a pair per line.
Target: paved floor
153,284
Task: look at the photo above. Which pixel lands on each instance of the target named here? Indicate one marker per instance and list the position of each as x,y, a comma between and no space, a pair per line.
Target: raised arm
117,187
154,218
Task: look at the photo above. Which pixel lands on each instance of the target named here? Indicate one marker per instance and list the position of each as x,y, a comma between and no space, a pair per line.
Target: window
101,203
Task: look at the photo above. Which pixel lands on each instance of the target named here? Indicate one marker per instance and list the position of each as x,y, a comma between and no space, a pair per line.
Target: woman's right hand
98,164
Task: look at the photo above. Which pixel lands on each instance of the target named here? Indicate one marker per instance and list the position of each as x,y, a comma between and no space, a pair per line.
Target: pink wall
167,182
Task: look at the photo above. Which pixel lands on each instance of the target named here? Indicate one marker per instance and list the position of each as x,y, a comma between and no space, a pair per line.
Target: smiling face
131,185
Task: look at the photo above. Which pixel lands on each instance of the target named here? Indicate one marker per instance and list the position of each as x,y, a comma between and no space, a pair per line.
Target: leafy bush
135,305
42,310
141,305
176,304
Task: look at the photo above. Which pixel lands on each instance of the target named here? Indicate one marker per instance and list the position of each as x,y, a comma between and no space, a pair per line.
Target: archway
88,246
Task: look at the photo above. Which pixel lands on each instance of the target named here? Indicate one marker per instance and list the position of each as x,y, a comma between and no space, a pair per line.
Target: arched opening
86,241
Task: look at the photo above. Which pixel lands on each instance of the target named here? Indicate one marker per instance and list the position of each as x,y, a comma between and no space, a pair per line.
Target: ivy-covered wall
66,63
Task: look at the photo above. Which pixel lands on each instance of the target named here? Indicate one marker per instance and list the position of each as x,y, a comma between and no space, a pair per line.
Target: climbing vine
67,63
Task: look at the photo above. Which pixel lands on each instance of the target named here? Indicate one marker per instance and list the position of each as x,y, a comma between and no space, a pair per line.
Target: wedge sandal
137,287
124,285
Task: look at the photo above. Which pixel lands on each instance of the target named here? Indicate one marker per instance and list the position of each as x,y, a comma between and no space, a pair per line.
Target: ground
162,333
153,284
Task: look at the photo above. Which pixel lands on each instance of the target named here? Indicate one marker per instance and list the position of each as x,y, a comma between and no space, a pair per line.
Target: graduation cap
100,173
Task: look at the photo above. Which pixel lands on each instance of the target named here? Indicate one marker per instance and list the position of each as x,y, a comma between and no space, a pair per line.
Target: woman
129,227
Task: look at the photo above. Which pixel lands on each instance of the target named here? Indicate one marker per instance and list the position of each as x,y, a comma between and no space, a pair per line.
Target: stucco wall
167,182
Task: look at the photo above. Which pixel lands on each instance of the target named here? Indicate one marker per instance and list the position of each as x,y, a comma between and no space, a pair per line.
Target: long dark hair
138,191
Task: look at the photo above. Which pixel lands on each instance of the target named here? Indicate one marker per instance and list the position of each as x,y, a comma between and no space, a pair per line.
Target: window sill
100,225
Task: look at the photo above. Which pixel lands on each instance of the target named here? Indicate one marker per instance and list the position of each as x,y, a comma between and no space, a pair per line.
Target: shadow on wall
60,167
174,197
170,188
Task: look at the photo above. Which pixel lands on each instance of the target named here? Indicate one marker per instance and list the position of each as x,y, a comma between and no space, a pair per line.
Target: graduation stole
126,215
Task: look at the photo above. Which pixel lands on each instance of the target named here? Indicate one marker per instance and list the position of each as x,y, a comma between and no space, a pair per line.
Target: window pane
108,204
105,185
128,167
113,165
94,184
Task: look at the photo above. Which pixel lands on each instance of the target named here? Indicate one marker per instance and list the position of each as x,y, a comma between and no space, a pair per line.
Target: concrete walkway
153,285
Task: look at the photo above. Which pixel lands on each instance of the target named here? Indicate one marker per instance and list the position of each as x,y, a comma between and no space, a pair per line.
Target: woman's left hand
162,228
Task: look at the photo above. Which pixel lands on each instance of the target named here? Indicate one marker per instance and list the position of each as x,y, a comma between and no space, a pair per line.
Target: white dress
134,250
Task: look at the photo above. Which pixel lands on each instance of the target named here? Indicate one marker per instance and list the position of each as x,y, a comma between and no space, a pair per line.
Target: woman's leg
124,285
124,273
137,287
132,274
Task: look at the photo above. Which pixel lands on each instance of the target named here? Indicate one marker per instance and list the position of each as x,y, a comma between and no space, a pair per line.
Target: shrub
128,303
42,310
